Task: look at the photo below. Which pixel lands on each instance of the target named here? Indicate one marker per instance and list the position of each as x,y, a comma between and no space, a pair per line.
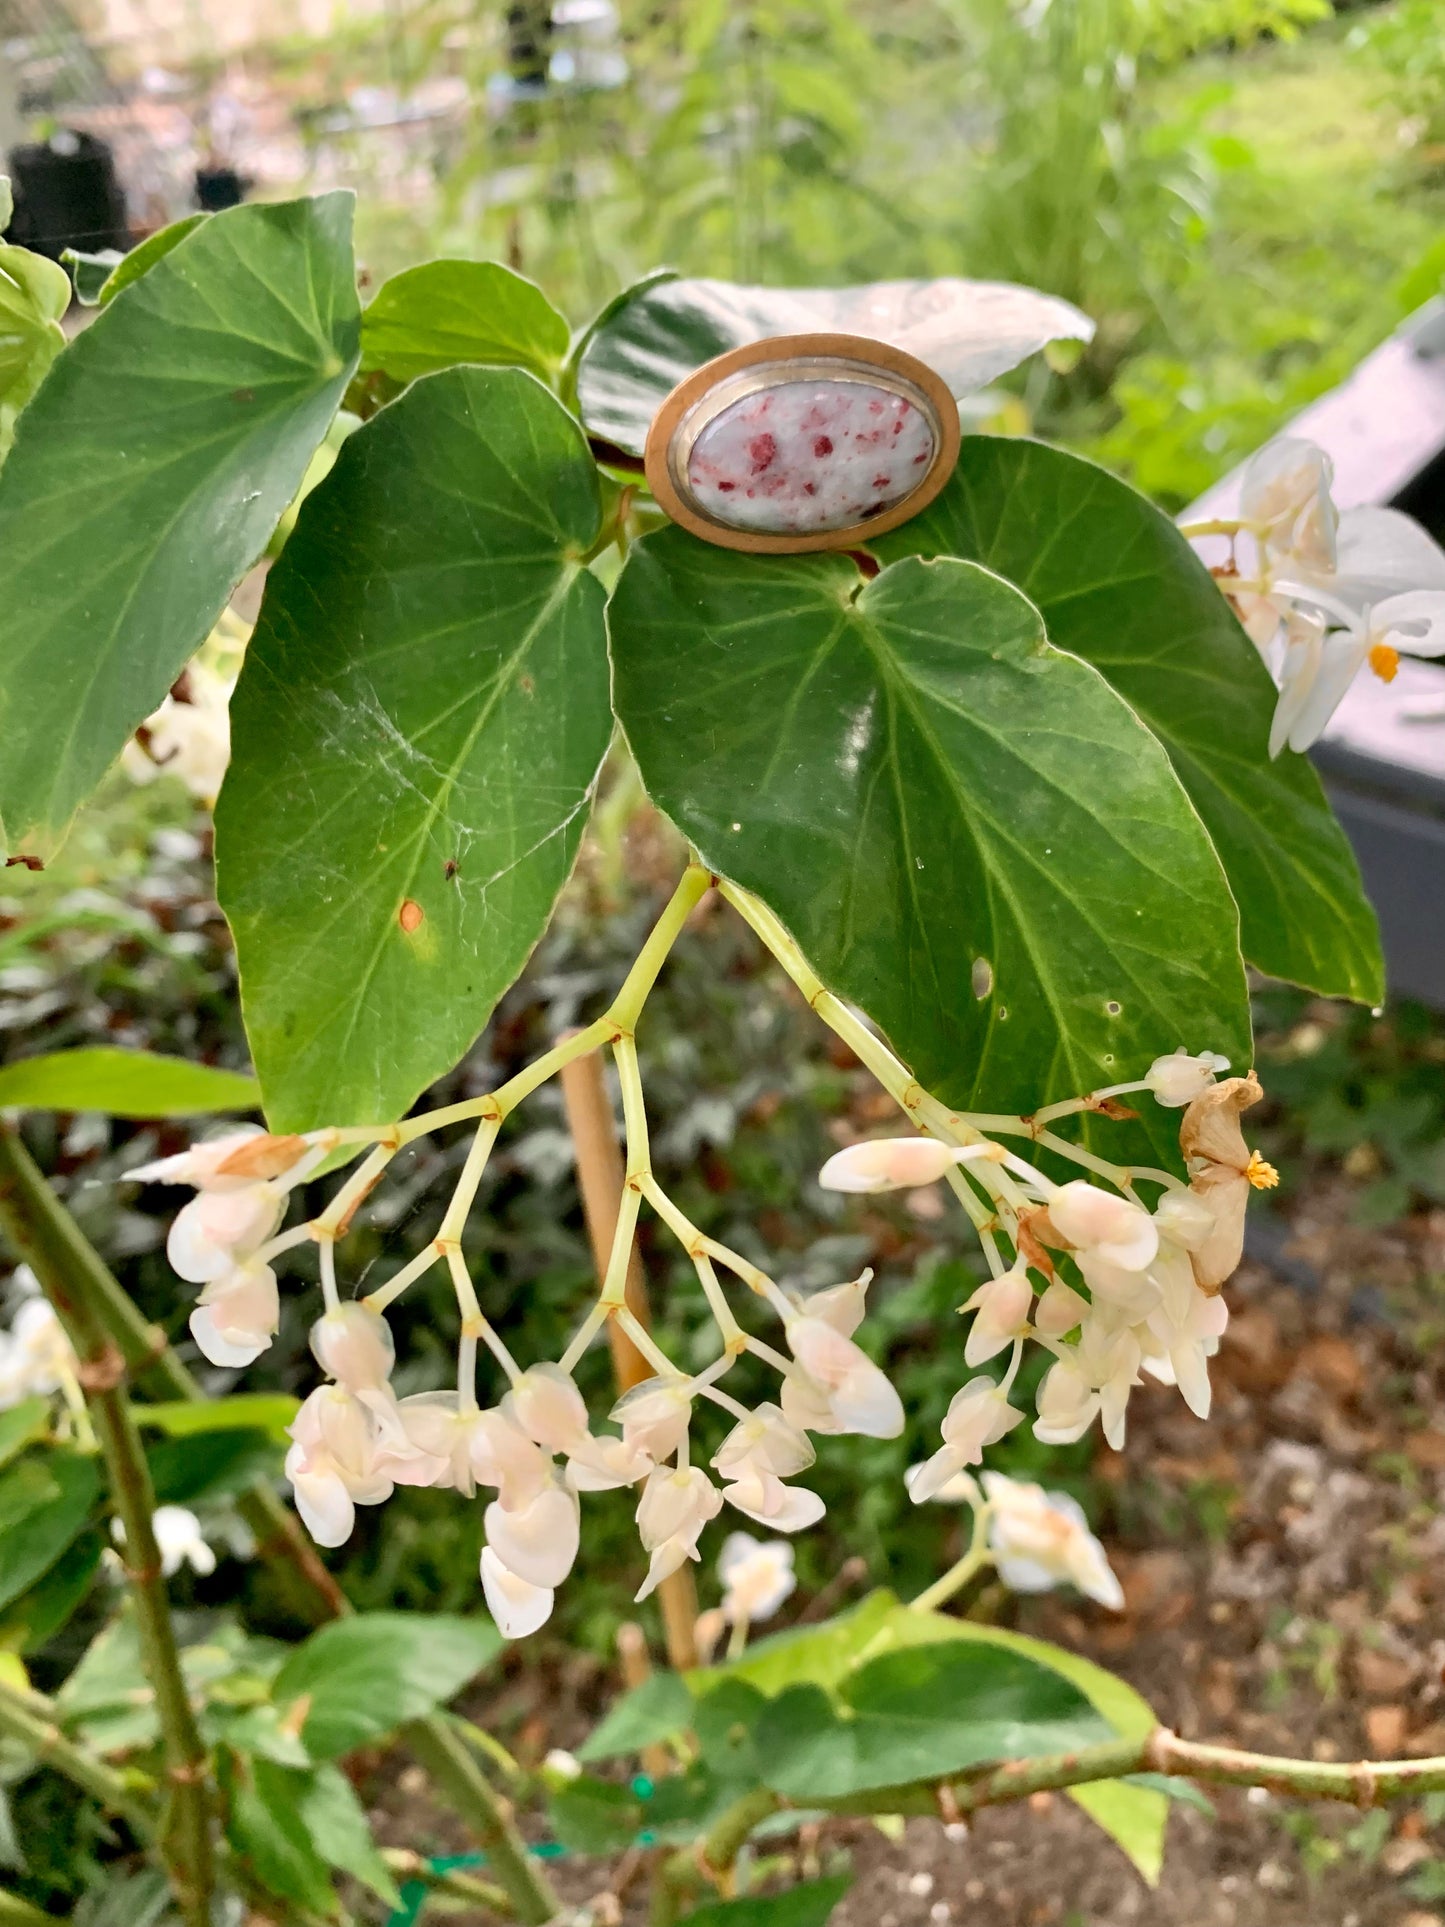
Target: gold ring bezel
702,396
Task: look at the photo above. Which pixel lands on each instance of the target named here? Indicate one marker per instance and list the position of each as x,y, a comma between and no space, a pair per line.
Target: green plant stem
29,1719
958,1575
46,1237
463,1886
455,1771
279,1541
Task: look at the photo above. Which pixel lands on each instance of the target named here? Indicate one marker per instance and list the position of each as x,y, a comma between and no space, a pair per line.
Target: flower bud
841,1306
538,1541
1001,1309
228,1163
1059,1310
860,1397
354,1345
326,1507
1092,1219
655,1415
758,1575
238,1315
517,1607
887,1164
767,1441
547,1405
216,1228
1176,1080
503,1456
676,1504
604,1464
786,1508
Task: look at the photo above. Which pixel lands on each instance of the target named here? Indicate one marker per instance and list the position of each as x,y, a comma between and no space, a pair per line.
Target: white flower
547,1405
517,1607
857,1395
602,1464
757,1574
503,1456
190,740
765,1441
1092,1379
764,1497
674,1507
978,1416
1187,1328
1102,1223
238,1314
888,1164
35,1354
178,1538
217,1229
961,1489
655,1415
1319,669
841,1306
1001,1310
1178,1079
1059,1310
232,1162
348,1449
451,1442
1222,1172
537,1541
1285,498
1041,1538
354,1345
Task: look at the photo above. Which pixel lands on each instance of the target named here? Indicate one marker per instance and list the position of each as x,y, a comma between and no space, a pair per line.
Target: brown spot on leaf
527,684
411,915
26,862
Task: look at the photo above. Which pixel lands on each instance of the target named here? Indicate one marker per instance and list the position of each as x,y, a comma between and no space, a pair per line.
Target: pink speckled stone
809,456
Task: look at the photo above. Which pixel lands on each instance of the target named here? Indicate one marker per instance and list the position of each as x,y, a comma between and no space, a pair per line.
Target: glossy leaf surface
968,833
1118,585
1133,1814
146,479
125,1083
363,1677
966,331
448,312
416,731
920,1714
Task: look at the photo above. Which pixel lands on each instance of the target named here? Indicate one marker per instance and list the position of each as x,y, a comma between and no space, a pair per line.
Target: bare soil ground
1284,1577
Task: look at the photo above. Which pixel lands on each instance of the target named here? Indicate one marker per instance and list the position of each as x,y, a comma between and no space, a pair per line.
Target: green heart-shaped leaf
34,294
447,312
1118,585
147,476
967,831
125,1083
416,732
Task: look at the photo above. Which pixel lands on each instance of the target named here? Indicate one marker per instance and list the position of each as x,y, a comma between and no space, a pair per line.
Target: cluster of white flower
188,737
1120,1289
35,1355
1328,592
1035,1540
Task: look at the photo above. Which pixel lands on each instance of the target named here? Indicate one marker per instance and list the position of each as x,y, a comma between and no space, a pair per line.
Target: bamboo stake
600,1172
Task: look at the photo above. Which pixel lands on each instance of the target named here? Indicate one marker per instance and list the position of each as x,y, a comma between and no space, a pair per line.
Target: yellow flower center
1261,1173
1385,661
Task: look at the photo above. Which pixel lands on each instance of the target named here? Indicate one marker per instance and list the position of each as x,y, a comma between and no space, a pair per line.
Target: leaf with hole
967,831
417,730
